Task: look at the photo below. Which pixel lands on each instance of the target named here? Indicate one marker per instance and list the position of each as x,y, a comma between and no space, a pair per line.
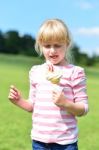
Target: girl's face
55,53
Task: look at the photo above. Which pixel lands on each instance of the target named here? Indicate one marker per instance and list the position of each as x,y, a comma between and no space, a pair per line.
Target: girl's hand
15,98
50,66
59,98
14,94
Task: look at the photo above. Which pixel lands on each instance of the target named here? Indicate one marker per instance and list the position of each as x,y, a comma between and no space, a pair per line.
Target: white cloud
97,50
85,5
90,51
94,31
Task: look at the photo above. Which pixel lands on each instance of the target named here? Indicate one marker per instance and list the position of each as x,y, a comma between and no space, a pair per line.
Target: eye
47,46
57,45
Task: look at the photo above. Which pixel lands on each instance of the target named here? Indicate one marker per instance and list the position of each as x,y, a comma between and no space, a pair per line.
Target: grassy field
89,125
15,124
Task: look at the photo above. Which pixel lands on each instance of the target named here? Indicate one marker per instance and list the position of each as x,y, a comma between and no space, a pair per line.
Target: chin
56,63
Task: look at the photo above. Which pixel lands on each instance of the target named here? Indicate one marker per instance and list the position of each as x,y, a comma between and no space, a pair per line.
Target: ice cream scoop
54,76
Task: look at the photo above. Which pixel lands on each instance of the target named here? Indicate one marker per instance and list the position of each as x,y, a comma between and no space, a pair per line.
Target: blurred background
19,24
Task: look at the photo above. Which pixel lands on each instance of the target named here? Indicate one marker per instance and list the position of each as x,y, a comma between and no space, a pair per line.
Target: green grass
15,124
88,125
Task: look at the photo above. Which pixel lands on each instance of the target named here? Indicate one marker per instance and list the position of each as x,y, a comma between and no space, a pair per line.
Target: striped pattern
50,122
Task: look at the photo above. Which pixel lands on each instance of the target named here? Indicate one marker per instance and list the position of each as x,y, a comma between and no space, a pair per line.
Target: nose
52,49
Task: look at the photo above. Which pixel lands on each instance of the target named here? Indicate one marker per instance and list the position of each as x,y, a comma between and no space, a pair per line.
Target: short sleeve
80,87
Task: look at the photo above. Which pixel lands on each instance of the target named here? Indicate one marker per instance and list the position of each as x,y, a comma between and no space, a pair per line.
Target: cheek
45,52
62,54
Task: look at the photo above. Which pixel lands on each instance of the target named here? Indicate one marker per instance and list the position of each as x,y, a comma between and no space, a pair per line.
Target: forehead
53,43
52,39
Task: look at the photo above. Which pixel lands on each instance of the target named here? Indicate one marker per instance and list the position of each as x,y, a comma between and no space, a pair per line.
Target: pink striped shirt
53,124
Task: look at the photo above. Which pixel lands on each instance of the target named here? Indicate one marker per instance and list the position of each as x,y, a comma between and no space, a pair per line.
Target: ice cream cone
57,88
54,77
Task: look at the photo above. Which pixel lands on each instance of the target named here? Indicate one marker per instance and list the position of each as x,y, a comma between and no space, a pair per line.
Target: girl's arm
77,109
79,106
16,98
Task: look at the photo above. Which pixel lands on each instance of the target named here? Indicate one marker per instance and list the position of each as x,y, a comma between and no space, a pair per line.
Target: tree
91,60
81,58
2,42
12,42
75,54
27,45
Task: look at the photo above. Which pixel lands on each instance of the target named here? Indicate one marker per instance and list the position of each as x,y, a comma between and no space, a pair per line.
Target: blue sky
81,16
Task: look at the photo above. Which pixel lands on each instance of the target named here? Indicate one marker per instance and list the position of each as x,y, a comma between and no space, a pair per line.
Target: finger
12,96
50,66
13,88
55,92
55,96
12,91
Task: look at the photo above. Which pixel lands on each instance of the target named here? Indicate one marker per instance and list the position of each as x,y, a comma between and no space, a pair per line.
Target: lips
54,56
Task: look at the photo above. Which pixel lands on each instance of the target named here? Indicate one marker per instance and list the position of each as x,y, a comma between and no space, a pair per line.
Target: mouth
54,57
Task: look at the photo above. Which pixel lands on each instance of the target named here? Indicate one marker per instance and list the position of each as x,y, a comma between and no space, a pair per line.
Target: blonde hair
52,30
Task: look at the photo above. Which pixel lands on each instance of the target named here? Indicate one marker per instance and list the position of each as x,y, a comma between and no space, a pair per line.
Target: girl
54,112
